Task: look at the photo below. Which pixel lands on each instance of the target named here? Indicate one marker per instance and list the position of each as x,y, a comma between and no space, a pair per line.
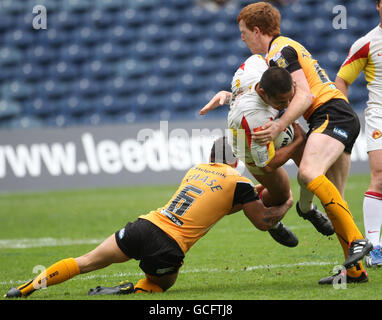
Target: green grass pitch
234,261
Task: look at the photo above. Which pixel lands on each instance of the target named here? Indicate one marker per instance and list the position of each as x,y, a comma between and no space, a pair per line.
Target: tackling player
366,55
248,112
333,125
160,239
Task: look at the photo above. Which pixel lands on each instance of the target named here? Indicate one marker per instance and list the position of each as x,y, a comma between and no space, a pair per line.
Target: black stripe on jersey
244,193
289,54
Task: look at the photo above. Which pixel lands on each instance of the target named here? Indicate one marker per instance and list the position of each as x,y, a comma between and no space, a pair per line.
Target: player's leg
156,284
277,186
160,257
338,173
102,256
322,152
305,206
105,254
372,207
273,191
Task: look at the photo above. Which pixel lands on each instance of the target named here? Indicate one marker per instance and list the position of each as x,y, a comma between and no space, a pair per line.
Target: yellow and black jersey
207,193
291,55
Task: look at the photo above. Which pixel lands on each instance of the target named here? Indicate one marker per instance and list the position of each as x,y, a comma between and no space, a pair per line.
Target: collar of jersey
274,38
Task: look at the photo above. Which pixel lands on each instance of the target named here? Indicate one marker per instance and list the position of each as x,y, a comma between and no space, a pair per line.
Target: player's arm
300,103
264,218
247,199
283,154
221,98
342,85
354,63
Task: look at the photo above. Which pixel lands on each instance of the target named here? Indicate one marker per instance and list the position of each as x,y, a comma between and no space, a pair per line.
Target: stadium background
124,65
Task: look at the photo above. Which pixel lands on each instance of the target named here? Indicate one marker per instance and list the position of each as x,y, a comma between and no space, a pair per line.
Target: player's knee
164,282
305,175
376,181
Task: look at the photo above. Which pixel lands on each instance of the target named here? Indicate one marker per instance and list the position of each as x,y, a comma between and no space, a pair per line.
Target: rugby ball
284,138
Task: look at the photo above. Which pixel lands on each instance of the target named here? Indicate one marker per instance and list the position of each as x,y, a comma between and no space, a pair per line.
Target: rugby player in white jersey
249,110
366,55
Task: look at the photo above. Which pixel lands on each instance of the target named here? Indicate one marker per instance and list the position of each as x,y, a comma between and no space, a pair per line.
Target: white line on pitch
199,270
56,242
44,242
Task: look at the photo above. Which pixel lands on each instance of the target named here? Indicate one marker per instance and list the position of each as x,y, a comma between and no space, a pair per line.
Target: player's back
205,195
247,112
244,96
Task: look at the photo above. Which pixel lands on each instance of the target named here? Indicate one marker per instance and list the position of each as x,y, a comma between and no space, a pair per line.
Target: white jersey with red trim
247,113
366,55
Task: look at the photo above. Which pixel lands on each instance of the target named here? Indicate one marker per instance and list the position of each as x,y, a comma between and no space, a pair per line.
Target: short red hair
262,15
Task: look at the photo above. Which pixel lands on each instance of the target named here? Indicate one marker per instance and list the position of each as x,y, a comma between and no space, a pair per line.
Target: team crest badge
279,60
376,134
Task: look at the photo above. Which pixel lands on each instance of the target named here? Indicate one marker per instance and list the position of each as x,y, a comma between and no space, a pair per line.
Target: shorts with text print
338,120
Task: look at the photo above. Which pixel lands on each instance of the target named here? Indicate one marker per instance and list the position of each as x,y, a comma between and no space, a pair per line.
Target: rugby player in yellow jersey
366,55
160,239
333,126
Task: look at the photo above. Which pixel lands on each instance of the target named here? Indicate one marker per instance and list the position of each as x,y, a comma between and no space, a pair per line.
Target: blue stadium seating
107,61
9,109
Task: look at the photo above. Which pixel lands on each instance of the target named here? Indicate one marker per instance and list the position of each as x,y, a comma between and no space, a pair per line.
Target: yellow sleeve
355,62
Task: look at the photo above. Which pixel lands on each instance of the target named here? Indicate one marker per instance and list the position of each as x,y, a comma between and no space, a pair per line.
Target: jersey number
183,201
321,73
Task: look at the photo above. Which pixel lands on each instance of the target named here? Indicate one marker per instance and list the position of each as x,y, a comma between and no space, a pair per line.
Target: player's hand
221,98
299,132
268,133
259,188
289,202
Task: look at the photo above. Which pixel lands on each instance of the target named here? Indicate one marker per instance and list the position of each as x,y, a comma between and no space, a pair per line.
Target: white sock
305,203
372,216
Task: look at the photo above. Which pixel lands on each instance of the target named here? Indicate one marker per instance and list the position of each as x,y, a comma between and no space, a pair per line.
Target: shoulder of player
256,59
285,48
254,63
244,180
282,42
366,39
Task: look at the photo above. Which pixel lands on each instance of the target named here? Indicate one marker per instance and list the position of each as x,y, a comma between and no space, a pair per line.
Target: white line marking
56,242
202,270
44,242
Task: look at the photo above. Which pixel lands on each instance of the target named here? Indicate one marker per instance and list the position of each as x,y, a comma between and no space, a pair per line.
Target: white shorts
373,128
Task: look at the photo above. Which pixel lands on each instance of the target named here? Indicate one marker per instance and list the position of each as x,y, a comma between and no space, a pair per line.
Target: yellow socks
59,272
336,208
338,213
145,285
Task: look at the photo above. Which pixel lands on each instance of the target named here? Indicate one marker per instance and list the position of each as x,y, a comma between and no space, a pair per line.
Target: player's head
276,87
256,21
221,152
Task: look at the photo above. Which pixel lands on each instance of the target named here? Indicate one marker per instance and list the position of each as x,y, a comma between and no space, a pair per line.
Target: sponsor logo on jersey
279,59
376,134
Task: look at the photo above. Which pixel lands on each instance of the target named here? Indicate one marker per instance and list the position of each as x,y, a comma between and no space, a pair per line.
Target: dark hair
378,1
221,152
276,80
